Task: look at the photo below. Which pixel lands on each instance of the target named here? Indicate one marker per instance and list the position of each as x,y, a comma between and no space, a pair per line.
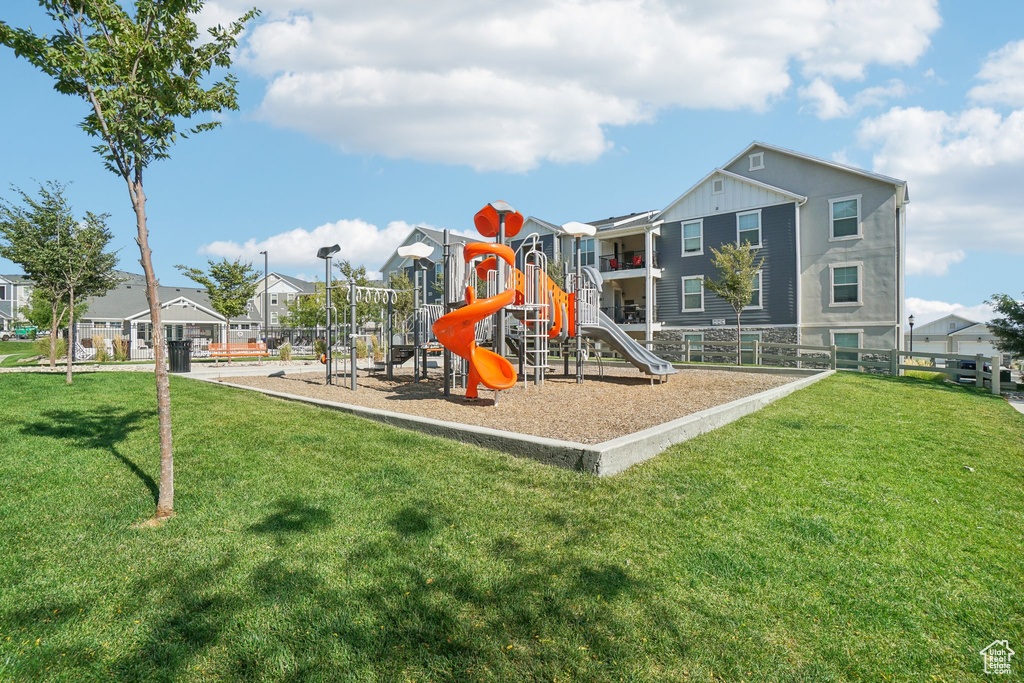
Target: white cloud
1003,77
964,173
507,86
826,103
925,311
926,261
361,242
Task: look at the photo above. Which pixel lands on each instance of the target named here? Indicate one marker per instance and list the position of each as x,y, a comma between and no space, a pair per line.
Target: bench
230,350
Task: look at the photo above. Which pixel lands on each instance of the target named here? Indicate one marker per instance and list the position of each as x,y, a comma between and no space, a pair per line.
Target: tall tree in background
84,268
142,74
307,310
230,285
1008,328
737,268
30,233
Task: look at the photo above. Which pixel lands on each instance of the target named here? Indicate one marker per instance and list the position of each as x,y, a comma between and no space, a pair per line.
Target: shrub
361,350
319,347
285,351
43,347
378,350
100,344
121,349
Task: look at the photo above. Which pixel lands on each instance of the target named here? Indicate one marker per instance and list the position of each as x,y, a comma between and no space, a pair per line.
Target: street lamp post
266,300
418,252
578,230
326,253
911,321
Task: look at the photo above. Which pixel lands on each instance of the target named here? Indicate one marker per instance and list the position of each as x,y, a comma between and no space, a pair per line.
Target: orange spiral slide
456,331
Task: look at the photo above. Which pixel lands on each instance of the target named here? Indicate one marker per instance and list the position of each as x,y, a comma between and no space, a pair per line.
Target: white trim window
846,280
748,228
844,218
848,339
291,297
747,346
696,340
273,298
273,317
718,186
756,161
587,255
3,292
693,238
693,294
757,295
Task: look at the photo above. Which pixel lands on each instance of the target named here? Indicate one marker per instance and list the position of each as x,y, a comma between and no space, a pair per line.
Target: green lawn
835,535
7,347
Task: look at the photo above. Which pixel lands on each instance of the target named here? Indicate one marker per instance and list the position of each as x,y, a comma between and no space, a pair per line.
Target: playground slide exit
456,331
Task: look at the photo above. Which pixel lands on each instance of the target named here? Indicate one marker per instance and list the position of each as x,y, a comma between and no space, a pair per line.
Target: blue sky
359,120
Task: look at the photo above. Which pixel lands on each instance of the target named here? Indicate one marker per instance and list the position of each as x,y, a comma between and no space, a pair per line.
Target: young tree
85,268
736,272
365,310
142,74
307,310
1009,327
231,284
65,258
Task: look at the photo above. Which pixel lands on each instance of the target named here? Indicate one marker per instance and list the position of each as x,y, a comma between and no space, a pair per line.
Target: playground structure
545,311
521,308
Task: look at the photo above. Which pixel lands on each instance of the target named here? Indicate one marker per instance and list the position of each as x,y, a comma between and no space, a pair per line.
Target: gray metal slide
607,331
610,333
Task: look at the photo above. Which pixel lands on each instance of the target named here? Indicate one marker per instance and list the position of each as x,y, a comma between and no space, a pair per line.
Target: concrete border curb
602,459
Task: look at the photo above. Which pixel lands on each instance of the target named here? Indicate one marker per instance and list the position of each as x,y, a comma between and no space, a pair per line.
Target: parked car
971,365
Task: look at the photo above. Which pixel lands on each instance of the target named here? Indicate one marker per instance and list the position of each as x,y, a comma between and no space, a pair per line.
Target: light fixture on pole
911,321
266,300
326,253
418,252
578,230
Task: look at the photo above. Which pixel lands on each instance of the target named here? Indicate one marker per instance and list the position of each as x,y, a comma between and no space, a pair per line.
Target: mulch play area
603,408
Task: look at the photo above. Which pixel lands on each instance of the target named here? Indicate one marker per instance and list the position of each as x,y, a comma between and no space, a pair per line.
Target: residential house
186,314
15,292
435,262
832,237
956,335
281,291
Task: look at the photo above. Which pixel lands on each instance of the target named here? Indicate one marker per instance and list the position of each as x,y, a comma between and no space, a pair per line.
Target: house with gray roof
15,292
280,291
833,238
187,313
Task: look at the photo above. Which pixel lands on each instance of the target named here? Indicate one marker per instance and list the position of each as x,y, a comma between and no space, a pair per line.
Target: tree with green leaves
40,309
737,267
230,284
143,73
1008,328
66,258
307,310
365,310
85,268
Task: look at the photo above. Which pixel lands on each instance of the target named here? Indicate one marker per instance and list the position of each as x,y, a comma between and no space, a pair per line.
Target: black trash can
180,353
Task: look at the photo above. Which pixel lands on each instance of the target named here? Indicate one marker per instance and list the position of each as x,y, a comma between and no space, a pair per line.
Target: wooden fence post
979,365
757,352
894,363
686,350
995,375
832,357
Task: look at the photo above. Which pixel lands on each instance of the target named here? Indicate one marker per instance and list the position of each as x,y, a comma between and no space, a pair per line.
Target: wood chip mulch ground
603,408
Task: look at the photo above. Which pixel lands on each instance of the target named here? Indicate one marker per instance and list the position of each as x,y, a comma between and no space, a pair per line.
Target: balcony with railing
627,261
629,314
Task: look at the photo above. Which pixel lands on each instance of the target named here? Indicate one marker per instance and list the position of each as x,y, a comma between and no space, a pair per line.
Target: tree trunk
739,340
53,336
165,499
71,332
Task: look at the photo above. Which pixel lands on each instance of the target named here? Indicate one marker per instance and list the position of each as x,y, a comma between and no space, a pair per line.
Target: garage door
972,348
931,347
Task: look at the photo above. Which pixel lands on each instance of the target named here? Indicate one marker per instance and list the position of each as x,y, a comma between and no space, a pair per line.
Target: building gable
722,191
941,327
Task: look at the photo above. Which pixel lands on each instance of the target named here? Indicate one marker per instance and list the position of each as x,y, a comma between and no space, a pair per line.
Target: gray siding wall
778,288
875,250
